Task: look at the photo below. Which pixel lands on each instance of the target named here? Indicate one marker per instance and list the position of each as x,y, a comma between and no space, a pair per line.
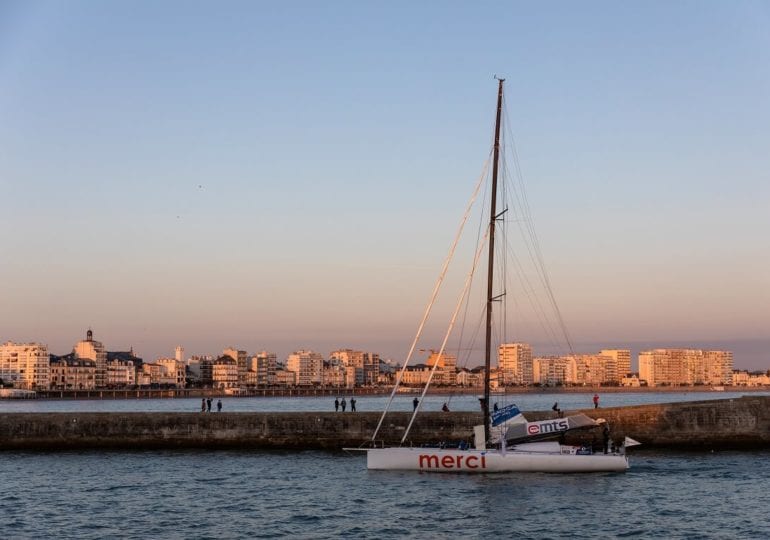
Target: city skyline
282,177
470,360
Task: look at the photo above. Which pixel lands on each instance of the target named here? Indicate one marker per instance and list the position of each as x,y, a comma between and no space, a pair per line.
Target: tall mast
491,267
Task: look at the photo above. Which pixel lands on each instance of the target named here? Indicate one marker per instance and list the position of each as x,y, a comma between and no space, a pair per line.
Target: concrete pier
742,423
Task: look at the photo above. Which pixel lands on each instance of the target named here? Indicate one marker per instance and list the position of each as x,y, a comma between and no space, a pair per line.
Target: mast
491,268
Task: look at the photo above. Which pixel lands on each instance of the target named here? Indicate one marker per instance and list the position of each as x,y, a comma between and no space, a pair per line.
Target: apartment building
25,365
515,363
685,367
89,349
367,364
550,370
620,364
308,366
241,360
264,364
71,373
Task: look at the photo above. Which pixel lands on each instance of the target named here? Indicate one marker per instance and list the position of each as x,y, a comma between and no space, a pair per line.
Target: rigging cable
436,289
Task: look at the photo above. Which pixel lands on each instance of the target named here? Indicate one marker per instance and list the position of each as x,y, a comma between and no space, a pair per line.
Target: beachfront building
416,375
285,377
366,364
590,369
631,380
550,370
446,372
619,365
89,349
307,365
120,373
221,372
71,373
193,370
685,367
121,368
224,373
241,360
470,377
25,365
742,377
515,363
264,365
339,376
172,372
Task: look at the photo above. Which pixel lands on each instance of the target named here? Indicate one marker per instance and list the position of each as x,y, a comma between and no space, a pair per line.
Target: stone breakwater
742,423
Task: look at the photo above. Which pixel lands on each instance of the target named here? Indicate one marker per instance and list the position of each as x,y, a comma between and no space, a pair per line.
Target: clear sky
284,175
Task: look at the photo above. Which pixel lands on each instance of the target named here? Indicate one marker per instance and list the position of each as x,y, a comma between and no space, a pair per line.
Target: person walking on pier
596,401
336,404
343,404
219,405
415,402
208,405
203,404
352,404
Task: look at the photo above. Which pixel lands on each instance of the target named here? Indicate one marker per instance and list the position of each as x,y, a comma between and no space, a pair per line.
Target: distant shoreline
203,393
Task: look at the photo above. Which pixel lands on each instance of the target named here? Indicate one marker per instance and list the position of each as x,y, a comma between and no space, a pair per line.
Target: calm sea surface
204,494
147,495
403,402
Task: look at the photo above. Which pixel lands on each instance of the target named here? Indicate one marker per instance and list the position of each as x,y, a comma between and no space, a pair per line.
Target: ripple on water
323,495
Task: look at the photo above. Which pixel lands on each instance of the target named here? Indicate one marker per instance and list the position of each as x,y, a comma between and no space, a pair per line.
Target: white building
121,373
70,373
685,367
550,370
241,360
308,366
619,366
172,372
264,364
25,365
367,364
95,351
515,363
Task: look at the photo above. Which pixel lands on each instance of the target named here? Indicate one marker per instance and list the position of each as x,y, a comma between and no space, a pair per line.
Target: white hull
491,461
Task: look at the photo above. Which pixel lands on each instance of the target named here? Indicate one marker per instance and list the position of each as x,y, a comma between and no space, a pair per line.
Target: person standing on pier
208,405
219,405
203,404
596,401
415,402
352,404
556,409
336,404
343,404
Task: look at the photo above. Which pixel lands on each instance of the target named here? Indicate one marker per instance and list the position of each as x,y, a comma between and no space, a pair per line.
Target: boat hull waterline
490,461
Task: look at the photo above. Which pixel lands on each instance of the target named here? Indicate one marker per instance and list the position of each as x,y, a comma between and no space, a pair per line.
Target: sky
286,175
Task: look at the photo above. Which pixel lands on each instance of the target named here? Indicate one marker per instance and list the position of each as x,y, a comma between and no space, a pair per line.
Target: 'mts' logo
547,426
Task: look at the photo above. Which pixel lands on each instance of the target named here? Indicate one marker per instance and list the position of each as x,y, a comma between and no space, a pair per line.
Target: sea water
259,494
271,494
402,402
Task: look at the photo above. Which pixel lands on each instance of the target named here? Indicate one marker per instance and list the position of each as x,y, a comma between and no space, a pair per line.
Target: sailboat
506,442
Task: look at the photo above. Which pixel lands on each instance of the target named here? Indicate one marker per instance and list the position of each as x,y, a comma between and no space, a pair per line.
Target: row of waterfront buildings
90,366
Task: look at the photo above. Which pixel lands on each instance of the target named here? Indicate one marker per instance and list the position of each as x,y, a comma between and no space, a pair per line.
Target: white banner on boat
502,419
548,427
